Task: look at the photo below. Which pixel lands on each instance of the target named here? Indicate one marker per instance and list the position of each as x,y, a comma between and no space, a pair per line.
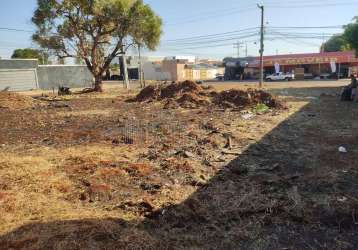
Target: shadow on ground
291,190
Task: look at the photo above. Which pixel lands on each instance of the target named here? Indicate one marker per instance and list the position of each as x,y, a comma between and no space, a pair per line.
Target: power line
211,35
253,28
15,30
283,6
216,45
307,27
209,41
290,40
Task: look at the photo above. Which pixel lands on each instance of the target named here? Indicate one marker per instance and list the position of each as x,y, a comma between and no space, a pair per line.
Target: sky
229,21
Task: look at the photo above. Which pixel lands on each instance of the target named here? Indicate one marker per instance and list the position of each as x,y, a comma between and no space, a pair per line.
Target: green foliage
31,54
351,34
95,30
336,43
114,66
261,108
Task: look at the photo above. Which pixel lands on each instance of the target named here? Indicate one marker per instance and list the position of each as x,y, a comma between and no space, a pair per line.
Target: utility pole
261,46
237,46
246,52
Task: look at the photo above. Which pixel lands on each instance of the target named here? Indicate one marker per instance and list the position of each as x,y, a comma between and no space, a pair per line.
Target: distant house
174,69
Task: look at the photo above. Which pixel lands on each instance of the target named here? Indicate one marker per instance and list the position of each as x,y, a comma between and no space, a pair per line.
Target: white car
280,77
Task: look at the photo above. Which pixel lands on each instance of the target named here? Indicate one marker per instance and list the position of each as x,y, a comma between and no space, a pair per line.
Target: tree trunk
98,84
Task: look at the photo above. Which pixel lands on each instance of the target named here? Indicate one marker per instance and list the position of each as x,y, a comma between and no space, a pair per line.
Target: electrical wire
313,5
15,30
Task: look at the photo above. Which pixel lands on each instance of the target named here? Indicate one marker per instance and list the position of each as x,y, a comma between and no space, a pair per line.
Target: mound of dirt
147,94
185,94
189,94
14,101
190,100
177,89
251,97
174,90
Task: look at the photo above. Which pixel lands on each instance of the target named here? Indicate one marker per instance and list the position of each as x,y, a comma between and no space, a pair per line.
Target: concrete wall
170,66
18,63
176,69
53,76
154,71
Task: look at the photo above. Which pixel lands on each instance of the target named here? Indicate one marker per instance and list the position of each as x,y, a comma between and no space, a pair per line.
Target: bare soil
94,171
188,94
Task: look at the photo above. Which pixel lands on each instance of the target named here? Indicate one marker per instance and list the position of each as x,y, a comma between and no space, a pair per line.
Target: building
311,64
189,59
154,71
171,69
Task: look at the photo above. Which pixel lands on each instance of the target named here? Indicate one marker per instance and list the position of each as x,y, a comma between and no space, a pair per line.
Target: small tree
31,54
351,34
95,30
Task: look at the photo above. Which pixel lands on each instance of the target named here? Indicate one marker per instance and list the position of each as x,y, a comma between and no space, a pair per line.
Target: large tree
351,34
30,54
336,43
95,30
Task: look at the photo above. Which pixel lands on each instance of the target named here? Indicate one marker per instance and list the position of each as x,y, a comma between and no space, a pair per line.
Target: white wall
196,74
153,71
211,73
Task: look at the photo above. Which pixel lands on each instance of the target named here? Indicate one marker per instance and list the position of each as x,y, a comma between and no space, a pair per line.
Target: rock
188,154
247,116
172,152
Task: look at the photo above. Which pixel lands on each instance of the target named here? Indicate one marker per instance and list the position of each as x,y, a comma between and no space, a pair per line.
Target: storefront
325,64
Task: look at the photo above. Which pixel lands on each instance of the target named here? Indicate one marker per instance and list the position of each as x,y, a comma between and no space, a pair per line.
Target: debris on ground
64,91
189,94
15,101
250,97
342,149
127,175
247,116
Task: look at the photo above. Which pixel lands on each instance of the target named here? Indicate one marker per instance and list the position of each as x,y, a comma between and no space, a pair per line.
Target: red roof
308,58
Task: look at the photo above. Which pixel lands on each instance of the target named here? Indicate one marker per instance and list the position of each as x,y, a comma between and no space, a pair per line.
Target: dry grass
37,188
65,183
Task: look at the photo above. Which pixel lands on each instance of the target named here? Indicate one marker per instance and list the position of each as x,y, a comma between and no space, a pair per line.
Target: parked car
220,77
280,77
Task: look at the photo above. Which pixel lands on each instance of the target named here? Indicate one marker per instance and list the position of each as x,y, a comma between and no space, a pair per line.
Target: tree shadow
290,190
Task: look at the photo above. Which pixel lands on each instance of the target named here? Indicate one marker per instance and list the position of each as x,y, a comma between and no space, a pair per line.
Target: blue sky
189,18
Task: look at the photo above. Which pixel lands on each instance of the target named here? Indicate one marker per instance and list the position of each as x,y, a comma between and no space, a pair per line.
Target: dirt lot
94,171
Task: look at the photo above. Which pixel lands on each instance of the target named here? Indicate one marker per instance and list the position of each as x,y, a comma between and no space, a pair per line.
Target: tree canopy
31,54
95,30
351,34
336,43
